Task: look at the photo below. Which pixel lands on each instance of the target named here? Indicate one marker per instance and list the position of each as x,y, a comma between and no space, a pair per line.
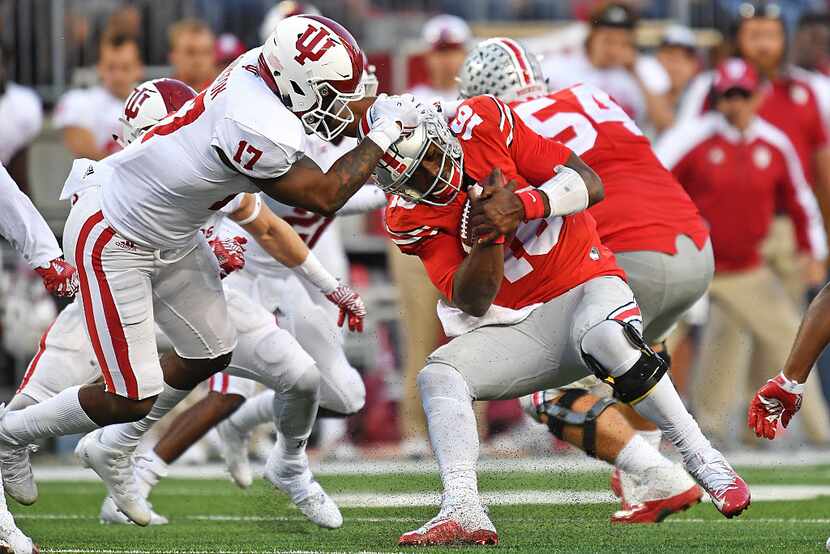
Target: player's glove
391,117
230,253
59,278
350,304
778,400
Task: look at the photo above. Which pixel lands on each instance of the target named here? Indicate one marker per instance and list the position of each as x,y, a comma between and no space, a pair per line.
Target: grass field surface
790,514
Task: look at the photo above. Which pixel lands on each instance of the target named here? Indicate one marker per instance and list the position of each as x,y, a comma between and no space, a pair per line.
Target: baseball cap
444,32
614,14
227,48
678,35
735,73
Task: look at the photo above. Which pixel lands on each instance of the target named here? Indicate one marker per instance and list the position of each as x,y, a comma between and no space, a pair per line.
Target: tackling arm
478,278
306,186
813,336
272,233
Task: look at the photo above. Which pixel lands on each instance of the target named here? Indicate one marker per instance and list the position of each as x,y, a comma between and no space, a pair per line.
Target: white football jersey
94,109
166,186
568,70
22,117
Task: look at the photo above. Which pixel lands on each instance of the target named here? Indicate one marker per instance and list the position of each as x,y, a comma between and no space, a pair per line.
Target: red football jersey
644,208
546,257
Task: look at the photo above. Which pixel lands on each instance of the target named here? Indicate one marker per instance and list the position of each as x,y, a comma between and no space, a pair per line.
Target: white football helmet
316,67
401,160
149,103
501,67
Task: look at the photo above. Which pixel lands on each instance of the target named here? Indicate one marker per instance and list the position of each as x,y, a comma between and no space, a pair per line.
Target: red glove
776,401
351,304
230,253
59,278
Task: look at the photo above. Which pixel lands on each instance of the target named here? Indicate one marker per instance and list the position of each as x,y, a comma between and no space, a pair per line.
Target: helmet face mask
501,67
332,113
425,167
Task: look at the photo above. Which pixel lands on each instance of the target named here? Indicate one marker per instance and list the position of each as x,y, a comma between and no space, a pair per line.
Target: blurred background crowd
66,67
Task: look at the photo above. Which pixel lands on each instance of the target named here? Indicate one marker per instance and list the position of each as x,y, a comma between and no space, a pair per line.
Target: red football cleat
454,525
728,492
655,511
447,532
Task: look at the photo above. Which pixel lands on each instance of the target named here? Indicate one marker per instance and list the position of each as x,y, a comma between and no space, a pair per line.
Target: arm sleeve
253,154
23,226
367,199
441,257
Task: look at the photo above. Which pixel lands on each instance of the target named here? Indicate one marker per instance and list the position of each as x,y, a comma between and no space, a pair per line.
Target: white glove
390,117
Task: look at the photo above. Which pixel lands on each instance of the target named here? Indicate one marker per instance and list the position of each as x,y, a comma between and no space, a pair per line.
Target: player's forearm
346,176
358,109
478,279
593,183
81,143
813,336
23,226
278,239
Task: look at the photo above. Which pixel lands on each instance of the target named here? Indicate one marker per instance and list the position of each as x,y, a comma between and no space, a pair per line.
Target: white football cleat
148,473
111,514
304,491
456,524
234,449
115,468
16,467
12,539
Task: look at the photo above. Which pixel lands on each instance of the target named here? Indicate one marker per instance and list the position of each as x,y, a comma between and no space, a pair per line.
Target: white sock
158,465
294,413
127,435
60,415
664,408
452,429
255,411
654,438
638,456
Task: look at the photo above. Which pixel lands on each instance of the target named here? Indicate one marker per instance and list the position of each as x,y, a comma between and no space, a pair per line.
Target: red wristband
533,204
500,240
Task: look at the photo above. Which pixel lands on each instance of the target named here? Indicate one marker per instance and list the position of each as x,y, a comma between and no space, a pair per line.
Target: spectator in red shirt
792,99
734,165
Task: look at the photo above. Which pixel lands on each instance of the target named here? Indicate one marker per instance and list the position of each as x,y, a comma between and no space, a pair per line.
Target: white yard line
553,464
375,499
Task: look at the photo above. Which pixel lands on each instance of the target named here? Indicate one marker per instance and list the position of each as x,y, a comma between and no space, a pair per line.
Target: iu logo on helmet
308,44
137,98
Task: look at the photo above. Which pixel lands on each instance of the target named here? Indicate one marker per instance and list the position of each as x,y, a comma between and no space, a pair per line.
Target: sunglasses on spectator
736,93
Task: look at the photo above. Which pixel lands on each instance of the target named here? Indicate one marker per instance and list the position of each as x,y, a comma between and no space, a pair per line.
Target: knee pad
342,392
308,383
640,378
438,379
559,414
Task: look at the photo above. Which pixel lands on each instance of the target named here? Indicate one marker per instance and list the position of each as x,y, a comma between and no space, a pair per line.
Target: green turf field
214,516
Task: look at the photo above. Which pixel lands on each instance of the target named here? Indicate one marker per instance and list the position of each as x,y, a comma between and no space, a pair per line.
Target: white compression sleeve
566,192
313,271
23,226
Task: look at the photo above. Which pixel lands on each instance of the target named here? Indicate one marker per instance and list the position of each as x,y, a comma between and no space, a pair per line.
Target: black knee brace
560,414
665,355
638,381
